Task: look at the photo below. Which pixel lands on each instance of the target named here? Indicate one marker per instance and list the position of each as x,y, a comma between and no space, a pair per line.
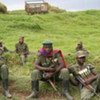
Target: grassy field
65,29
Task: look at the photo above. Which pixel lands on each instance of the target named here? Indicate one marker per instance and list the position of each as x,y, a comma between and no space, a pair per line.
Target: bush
55,9
3,8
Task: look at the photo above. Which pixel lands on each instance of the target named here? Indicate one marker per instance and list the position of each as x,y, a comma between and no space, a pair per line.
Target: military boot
5,87
35,89
66,93
7,94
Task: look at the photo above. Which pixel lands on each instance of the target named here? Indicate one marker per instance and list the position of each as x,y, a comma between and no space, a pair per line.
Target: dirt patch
21,95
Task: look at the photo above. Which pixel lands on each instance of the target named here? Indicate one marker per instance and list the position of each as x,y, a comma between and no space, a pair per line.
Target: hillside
64,29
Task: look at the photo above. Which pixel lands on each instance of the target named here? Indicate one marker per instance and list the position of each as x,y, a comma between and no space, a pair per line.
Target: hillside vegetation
65,29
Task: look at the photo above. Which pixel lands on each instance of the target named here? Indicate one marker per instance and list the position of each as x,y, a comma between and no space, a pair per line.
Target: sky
69,5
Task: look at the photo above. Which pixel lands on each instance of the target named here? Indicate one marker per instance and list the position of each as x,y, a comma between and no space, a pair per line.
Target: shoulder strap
60,52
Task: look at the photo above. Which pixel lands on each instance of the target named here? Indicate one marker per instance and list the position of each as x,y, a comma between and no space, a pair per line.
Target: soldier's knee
35,75
64,73
4,72
4,67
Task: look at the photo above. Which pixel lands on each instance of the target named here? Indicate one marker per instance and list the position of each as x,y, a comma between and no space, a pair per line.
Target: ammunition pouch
87,75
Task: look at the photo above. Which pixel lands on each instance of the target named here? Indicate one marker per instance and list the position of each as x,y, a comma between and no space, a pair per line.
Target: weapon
53,86
88,86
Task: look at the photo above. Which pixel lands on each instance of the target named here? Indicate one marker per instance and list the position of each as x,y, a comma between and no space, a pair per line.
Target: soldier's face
81,60
80,46
21,40
48,49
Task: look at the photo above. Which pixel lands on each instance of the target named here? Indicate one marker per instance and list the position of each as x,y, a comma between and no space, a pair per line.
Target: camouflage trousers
86,94
23,59
38,75
4,72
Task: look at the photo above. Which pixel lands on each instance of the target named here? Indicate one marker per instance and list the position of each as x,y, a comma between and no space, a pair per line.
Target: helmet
80,54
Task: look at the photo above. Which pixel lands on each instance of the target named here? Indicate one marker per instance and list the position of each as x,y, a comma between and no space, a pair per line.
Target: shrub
55,9
3,8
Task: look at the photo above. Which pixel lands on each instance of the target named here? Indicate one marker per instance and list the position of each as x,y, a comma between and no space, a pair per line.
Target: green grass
65,29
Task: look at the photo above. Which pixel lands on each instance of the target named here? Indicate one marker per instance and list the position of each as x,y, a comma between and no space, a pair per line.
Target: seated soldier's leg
35,76
64,75
4,76
98,84
22,59
86,94
25,60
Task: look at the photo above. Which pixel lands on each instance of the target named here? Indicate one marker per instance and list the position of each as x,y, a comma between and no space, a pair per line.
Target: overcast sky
69,5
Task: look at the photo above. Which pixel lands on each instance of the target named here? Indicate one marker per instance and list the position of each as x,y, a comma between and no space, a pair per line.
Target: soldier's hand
48,75
51,69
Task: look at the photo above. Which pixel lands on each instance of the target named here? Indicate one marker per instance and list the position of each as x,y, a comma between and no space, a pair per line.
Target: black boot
65,84
5,87
35,89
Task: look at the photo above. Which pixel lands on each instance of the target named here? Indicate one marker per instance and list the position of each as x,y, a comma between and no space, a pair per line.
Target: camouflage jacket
52,61
74,69
2,60
22,48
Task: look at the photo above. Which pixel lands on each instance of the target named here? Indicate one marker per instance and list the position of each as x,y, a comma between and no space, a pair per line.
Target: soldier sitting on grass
85,77
4,75
49,64
22,50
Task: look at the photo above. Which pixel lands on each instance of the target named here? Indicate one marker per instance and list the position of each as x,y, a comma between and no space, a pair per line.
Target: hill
65,29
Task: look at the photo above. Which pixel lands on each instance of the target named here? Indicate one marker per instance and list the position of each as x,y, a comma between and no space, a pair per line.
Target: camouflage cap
21,37
47,42
80,54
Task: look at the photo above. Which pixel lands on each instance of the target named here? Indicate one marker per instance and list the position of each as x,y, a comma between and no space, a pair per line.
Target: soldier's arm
16,48
26,49
61,63
5,49
73,70
38,66
92,68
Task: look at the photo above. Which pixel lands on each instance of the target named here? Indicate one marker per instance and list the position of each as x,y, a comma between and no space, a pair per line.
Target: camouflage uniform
53,61
22,50
86,94
4,74
3,48
47,62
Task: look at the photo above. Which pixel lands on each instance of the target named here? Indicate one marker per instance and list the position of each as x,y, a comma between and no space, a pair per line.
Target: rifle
53,86
88,86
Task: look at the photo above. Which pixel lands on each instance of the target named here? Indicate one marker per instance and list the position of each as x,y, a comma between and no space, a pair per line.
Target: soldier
4,49
85,76
80,47
4,74
49,64
22,50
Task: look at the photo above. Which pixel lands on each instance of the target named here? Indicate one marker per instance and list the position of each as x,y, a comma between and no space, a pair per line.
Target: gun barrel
87,86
